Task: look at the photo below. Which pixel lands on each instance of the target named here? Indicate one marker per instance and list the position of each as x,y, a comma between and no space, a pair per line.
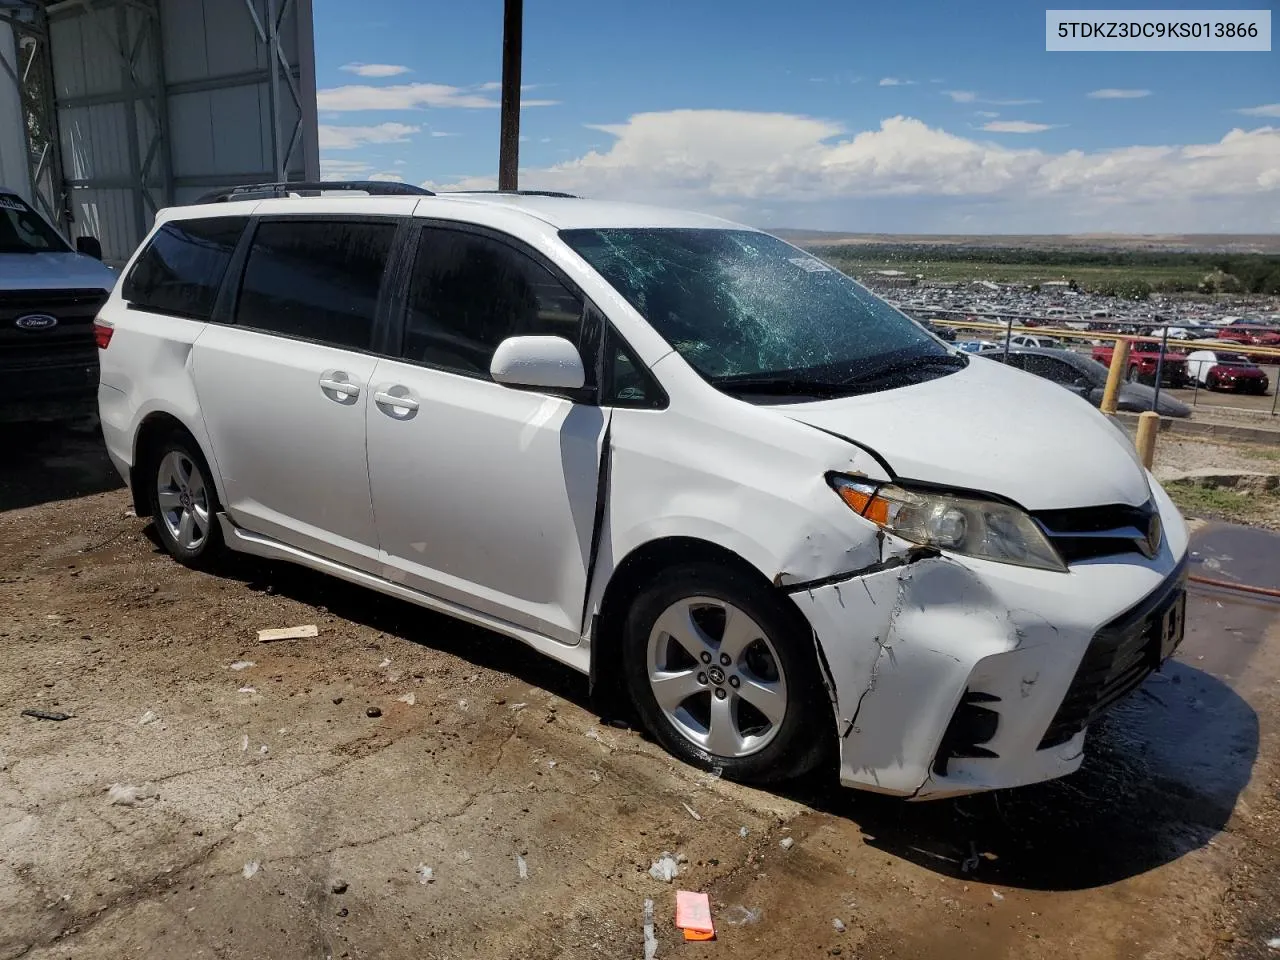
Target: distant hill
1265,243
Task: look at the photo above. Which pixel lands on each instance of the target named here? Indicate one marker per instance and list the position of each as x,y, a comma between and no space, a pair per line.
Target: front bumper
920,652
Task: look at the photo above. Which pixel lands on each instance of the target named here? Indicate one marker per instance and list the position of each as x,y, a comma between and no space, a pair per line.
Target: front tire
184,503
724,675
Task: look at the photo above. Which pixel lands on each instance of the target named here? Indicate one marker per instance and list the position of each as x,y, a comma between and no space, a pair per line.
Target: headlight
966,525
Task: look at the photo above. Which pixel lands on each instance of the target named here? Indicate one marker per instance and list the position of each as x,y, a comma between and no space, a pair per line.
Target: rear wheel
1211,382
184,504
725,676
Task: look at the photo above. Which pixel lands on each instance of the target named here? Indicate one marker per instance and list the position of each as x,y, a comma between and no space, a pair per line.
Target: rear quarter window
182,267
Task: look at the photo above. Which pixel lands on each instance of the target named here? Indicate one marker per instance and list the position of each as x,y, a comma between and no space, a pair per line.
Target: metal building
112,109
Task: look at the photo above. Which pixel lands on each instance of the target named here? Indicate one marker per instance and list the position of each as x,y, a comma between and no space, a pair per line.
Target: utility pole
512,42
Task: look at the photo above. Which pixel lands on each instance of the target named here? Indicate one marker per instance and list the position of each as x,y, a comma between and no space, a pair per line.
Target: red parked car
1252,334
1143,359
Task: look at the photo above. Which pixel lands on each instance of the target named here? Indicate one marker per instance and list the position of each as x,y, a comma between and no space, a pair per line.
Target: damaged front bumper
953,675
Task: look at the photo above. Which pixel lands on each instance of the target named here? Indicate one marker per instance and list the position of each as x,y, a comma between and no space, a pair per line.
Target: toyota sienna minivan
674,453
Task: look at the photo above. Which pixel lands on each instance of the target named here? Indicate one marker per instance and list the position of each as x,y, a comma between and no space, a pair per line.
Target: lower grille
1120,656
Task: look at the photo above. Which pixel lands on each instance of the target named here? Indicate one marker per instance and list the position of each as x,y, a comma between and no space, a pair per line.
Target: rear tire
184,503
724,675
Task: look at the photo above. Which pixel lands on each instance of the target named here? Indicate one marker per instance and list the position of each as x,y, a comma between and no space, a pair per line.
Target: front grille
1087,533
1119,657
69,341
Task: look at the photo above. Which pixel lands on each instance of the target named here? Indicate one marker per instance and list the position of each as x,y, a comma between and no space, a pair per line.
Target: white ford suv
672,452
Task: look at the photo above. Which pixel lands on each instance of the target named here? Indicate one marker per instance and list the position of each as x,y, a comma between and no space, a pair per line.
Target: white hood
992,429
53,271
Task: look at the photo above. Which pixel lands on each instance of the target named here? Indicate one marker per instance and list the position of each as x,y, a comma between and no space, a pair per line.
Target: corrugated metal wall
159,103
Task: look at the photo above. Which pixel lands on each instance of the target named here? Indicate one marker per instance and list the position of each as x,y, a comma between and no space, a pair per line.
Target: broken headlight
986,529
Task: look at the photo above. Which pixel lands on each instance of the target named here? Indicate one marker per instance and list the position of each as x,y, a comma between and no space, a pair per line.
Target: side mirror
89,246
552,363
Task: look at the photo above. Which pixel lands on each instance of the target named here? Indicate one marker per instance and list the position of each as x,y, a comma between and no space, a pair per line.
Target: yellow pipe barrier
1119,360
1148,426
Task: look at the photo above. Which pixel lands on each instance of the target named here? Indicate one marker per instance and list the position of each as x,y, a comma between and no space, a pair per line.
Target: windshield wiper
931,361
783,386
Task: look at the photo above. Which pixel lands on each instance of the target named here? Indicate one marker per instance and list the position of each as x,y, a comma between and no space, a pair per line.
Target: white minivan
674,453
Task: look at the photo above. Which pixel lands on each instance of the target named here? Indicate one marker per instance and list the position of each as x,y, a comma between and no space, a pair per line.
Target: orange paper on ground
693,915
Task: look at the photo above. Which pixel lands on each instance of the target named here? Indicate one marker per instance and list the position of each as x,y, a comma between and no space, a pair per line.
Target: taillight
102,332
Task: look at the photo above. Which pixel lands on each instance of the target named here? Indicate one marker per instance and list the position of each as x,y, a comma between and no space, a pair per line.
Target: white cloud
400,96
1267,110
444,133
347,138
375,69
895,82
334,169
400,163
1115,93
411,96
812,170
986,113
389,176
961,96
1016,126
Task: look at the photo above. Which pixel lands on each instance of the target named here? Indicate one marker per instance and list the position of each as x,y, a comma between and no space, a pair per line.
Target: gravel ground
276,818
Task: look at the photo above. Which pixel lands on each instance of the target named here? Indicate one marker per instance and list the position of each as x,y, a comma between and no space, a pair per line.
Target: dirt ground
280,820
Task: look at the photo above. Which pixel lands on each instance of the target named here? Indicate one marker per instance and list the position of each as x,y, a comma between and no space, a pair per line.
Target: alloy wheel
716,677
183,497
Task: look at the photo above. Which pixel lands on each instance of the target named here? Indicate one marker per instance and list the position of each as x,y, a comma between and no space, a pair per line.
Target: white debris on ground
247,690
384,664
522,867
650,941
147,718
244,743
408,698
464,856
250,869
262,749
997,894
517,706
127,795
667,867
242,665
1274,943
692,812
425,874
743,832
786,842
287,633
837,925
740,916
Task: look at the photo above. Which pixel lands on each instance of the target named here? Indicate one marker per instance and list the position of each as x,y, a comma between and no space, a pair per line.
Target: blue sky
900,117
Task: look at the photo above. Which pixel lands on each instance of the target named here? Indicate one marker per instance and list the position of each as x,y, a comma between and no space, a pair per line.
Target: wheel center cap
716,675
184,498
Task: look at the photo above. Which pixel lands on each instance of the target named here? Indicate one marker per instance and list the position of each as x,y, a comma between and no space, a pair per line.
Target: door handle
385,399
343,387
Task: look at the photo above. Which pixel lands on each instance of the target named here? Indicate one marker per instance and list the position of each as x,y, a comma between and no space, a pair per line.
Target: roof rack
257,191
525,193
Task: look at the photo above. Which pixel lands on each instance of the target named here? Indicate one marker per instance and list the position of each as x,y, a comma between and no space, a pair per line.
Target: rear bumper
955,676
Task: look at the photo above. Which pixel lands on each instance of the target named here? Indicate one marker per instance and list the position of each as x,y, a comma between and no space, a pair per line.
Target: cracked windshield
743,307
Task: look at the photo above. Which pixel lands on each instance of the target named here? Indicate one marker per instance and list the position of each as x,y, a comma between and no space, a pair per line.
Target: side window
468,293
629,384
182,267
1051,369
315,279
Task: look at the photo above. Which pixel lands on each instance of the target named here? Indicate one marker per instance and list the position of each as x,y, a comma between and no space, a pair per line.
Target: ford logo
36,321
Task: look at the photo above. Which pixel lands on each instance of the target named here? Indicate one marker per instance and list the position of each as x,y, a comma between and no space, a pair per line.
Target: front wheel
725,676
1135,375
184,503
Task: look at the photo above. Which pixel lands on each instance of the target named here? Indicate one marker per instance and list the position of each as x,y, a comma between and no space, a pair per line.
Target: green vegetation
1222,503
1129,274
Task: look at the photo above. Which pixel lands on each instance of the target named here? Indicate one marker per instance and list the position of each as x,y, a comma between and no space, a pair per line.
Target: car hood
53,271
991,429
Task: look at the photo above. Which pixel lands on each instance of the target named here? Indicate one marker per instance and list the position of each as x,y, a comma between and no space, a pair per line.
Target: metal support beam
32,74
282,79
512,47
